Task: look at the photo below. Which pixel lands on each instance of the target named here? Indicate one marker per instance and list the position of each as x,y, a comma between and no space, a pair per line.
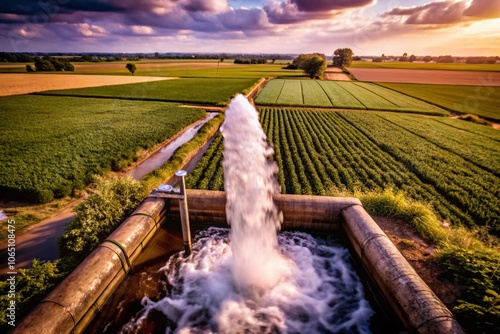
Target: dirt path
39,241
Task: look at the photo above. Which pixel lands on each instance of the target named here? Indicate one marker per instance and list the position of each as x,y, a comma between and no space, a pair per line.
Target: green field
338,94
428,66
53,145
192,90
174,68
478,100
321,152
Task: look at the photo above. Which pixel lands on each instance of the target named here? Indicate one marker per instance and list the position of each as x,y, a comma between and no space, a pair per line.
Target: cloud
488,9
294,11
447,12
329,5
441,12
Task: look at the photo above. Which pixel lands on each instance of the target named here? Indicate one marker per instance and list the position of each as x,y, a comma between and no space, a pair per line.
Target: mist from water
249,279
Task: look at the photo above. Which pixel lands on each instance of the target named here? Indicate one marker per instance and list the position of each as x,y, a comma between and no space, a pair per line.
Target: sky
368,27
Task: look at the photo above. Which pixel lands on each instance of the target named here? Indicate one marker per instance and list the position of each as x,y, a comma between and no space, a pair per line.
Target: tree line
50,64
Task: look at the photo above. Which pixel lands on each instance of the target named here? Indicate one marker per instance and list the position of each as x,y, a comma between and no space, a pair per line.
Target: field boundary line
418,98
456,127
345,90
358,84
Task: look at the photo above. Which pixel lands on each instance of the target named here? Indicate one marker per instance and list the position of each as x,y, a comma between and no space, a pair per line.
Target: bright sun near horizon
368,27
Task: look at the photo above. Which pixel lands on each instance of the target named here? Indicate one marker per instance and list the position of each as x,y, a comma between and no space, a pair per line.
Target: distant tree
157,55
43,65
412,58
428,59
69,67
342,57
404,57
445,59
383,57
131,67
29,68
315,67
313,64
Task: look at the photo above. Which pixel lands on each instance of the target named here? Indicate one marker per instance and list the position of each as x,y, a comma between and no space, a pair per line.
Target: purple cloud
484,9
441,12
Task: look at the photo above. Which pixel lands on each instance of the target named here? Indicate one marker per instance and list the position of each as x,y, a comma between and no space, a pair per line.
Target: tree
404,57
342,57
131,67
412,58
43,65
29,68
428,59
313,64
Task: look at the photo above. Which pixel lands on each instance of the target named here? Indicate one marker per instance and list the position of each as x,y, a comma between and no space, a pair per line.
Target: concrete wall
74,302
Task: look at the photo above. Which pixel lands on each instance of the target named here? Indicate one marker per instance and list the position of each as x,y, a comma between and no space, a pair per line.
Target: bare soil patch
421,256
427,76
336,76
16,83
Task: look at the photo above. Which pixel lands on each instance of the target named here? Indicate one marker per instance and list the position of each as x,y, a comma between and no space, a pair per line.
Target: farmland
427,66
53,145
320,152
432,77
193,90
478,100
330,94
14,84
170,68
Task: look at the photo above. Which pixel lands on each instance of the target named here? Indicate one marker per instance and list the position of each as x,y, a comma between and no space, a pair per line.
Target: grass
428,66
214,91
338,94
483,101
52,146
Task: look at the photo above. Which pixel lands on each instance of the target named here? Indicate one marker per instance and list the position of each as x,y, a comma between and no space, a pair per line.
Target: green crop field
320,152
478,100
174,68
339,94
53,145
428,66
192,90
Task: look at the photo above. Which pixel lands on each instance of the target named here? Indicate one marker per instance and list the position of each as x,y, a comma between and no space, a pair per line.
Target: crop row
322,152
51,146
476,148
338,94
464,184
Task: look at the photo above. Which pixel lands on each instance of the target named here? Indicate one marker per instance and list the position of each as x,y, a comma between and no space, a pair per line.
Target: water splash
250,182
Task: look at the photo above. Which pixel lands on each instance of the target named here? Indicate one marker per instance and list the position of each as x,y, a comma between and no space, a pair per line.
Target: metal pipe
184,213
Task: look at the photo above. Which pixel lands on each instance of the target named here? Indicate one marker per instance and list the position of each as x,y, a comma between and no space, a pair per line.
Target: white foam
320,294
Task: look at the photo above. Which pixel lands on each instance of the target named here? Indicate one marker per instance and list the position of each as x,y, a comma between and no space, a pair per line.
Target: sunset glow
369,27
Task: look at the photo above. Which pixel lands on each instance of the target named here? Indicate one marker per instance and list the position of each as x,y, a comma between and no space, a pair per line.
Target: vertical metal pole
183,209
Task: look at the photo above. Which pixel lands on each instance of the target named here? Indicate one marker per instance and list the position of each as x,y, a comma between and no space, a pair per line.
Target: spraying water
249,182
248,279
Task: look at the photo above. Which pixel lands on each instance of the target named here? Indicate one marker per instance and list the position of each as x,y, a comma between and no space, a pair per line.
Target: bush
31,286
99,215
